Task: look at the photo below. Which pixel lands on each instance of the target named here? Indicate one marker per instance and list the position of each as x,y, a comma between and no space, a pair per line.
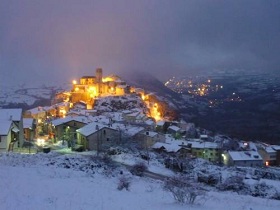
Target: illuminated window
266,163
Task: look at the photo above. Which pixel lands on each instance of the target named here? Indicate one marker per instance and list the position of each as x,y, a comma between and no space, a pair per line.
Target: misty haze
125,104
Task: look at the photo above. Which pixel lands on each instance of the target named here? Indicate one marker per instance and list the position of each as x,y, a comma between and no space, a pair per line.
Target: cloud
67,39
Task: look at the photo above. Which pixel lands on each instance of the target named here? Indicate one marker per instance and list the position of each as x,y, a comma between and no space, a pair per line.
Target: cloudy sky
42,40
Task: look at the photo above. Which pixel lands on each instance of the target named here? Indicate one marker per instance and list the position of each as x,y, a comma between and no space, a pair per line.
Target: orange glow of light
266,163
74,82
77,89
92,91
107,79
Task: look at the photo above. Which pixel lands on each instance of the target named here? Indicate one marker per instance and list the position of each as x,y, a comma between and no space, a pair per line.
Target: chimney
11,117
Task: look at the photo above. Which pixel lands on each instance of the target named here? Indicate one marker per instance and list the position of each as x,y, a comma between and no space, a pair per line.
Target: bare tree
183,189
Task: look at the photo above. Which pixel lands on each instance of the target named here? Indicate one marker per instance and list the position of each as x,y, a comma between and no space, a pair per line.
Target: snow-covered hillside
27,94
53,181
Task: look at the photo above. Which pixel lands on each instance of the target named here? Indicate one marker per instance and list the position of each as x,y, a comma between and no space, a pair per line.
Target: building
63,128
174,130
96,136
243,158
270,154
147,139
29,128
207,150
6,139
11,129
91,87
37,113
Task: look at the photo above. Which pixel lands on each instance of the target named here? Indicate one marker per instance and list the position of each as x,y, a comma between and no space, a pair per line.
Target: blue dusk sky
60,40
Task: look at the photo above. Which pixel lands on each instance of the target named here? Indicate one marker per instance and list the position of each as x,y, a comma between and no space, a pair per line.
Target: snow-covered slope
51,181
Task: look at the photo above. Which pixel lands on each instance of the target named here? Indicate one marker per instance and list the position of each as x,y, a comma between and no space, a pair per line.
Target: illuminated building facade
91,87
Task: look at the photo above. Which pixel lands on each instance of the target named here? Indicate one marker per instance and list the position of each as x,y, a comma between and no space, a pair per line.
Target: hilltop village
103,114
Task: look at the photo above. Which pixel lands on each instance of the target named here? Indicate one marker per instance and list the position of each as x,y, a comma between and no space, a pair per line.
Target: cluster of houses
92,130
75,118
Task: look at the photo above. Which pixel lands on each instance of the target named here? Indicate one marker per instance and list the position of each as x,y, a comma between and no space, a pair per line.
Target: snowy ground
26,93
52,181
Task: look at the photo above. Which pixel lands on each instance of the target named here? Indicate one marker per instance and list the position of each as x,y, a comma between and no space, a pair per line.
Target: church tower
98,75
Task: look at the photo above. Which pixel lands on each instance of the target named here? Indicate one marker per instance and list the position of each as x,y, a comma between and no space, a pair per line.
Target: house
188,128
122,89
68,126
62,108
150,125
5,136
169,148
161,126
12,128
206,150
29,128
269,154
50,111
174,130
129,133
243,158
38,113
96,136
203,137
148,138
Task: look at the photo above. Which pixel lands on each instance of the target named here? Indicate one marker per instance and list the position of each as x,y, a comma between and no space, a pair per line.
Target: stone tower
98,75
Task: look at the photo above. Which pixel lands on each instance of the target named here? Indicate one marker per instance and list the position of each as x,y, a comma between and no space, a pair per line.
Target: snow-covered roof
121,86
253,146
92,128
196,144
67,119
168,147
36,110
48,108
149,122
204,136
269,149
203,144
160,123
128,129
134,114
28,122
10,114
244,155
62,104
151,133
116,116
141,116
174,128
5,126
126,111
101,119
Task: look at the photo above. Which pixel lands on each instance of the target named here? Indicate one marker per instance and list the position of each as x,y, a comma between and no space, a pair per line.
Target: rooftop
10,114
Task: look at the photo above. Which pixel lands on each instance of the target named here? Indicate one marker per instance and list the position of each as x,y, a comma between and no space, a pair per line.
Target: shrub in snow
263,190
276,195
184,190
234,183
212,179
138,169
107,160
124,183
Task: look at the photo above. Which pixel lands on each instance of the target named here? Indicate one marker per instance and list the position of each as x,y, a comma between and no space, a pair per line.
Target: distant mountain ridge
149,83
